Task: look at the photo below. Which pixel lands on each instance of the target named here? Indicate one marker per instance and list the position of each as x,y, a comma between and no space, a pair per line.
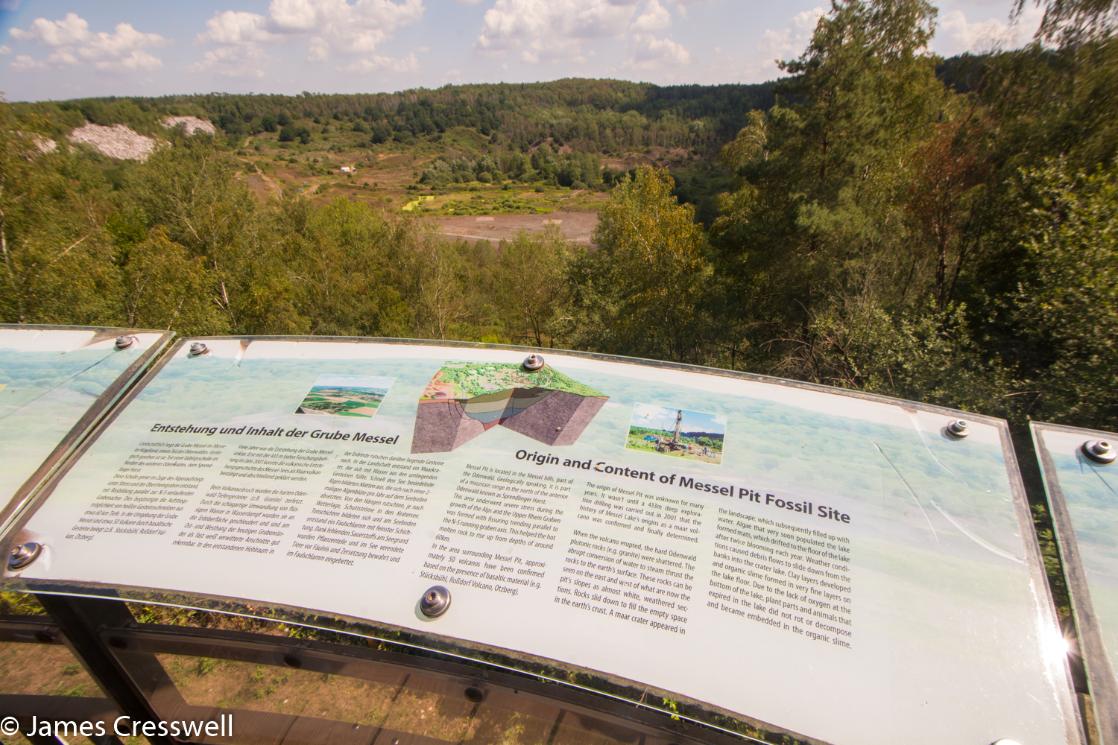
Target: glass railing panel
1081,477
710,539
54,384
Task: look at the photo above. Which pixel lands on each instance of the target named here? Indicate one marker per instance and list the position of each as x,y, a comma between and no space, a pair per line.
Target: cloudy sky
76,48
658,417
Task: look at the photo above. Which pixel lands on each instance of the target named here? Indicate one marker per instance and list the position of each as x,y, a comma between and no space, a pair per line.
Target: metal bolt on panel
435,601
957,429
23,554
1100,451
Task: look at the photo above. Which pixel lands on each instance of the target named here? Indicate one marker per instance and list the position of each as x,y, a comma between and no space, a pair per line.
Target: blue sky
658,417
76,48
354,381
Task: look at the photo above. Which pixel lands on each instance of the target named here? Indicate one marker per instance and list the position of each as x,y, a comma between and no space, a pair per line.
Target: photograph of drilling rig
694,435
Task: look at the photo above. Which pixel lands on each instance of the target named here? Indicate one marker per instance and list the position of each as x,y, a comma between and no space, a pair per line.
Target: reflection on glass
44,669
20,604
318,707
229,684
1084,497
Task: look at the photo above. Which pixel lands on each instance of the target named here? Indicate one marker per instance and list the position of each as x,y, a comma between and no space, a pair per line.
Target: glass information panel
54,383
832,564
1081,477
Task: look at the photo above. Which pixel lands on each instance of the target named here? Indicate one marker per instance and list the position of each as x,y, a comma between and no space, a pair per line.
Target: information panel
1080,469
55,382
831,564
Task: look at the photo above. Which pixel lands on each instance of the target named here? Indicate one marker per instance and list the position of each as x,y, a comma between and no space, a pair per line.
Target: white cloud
124,49
329,27
654,18
71,29
409,63
26,62
651,52
546,30
236,27
134,60
5,49
300,15
318,49
784,43
72,43
233,61
655,417
955,33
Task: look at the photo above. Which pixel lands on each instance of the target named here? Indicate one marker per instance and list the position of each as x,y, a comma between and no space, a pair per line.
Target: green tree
57,260
828,215
528,280
347,280
1065,307
643,291
192,193
165,287
1074,21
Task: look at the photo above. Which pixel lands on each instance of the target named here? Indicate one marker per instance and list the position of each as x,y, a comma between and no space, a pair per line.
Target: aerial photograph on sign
694,435
465,399
336,395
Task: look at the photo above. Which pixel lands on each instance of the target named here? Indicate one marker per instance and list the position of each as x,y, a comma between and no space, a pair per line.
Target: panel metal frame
1101,680
15,509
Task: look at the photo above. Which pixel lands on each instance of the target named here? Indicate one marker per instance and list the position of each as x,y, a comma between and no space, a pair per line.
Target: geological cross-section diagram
465,399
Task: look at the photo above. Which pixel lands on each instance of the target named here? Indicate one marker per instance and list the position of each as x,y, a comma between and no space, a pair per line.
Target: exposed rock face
464,400
441,426
190,124
44,145
556,419
117,141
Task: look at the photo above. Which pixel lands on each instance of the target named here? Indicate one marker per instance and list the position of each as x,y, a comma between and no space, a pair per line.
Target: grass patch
417,203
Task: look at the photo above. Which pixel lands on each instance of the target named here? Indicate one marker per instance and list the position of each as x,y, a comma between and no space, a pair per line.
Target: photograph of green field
336,395
464,380
693,435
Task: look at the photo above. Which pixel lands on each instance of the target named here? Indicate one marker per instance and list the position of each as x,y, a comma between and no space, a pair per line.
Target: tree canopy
879,219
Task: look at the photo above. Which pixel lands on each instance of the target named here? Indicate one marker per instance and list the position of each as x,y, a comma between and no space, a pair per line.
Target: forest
877,219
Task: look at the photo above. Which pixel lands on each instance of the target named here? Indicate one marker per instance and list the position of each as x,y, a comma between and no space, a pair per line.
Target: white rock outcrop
117,141
190,124
43,144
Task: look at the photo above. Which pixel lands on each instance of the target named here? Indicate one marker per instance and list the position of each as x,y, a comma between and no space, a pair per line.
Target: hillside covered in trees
603,115
879,219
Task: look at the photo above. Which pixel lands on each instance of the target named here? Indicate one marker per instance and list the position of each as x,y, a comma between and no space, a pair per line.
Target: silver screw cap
1100,451
958,429
123,342
435,601
533,362
197,349
24,554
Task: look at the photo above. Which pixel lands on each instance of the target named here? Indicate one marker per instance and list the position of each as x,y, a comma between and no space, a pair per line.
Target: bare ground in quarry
118,141
575,226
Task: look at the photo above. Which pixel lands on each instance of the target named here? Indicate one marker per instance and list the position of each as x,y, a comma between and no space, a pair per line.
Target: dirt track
575,226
